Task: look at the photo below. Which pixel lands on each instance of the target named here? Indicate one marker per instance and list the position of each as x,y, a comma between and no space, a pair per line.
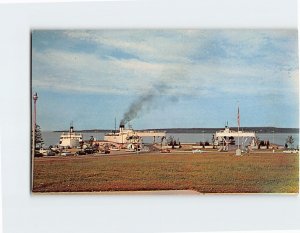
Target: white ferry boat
70,139
228,137
125,136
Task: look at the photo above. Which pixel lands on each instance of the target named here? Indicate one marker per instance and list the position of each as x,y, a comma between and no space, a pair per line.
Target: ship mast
70,131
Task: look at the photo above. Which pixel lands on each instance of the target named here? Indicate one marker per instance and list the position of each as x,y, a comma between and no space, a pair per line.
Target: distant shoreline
199,130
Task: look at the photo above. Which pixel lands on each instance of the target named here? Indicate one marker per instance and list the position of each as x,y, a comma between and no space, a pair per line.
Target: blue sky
194,78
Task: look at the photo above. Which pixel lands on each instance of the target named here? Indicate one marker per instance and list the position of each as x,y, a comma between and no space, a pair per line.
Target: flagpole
238,127
238,151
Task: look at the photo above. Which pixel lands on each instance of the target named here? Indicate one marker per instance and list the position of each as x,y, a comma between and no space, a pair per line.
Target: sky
165,78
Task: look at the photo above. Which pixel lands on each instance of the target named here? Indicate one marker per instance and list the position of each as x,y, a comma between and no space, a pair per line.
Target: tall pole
238,118
238,151
35,97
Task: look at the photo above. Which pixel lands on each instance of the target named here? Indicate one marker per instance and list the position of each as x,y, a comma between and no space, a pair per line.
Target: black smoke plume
144,102
159,91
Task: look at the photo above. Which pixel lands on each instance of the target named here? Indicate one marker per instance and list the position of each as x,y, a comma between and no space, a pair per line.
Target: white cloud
65,71
163,58
140,66
82,72
146,44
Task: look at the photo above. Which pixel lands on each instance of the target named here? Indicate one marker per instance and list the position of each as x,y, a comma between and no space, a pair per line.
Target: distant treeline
213,130
87,131
202,130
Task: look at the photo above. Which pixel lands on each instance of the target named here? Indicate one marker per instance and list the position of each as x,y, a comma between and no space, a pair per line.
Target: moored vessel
226,137
70,139
130,136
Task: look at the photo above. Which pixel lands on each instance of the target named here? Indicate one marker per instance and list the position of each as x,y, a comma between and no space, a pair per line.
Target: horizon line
179,128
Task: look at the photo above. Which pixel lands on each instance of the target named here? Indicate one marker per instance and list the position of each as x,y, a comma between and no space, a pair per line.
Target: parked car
66,153
197,151
43,151
38,154
89,151
51,153
80,152
130,150
55,150
292,151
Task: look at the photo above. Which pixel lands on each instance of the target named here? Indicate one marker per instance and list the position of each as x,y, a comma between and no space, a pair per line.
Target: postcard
165,111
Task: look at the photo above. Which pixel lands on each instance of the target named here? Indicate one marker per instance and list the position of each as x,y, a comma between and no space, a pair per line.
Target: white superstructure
125,136
70,139
228,137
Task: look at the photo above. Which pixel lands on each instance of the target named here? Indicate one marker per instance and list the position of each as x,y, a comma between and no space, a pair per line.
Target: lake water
52,138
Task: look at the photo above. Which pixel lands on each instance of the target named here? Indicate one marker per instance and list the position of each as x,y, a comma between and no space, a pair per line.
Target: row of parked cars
56,151
86,151
43,152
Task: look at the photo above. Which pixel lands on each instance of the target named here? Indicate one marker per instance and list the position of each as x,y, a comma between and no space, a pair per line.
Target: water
52,138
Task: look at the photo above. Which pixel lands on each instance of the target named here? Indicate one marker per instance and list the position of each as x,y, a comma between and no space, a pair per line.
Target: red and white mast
35,97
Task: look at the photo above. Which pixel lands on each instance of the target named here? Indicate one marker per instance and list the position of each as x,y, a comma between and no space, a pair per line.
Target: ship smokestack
71,127
122,126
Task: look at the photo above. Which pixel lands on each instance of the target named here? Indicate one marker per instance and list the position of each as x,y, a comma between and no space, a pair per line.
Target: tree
92,141
170,141
262,143
162,140
290,141
38,137
258,142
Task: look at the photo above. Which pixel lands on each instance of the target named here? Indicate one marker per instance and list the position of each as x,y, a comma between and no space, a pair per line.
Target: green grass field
205,173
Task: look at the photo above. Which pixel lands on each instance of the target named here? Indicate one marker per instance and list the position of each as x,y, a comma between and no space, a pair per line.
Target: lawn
205,173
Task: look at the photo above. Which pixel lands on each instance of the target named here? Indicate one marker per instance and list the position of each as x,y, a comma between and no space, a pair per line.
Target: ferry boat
70,139
228,137
123,136
130,136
